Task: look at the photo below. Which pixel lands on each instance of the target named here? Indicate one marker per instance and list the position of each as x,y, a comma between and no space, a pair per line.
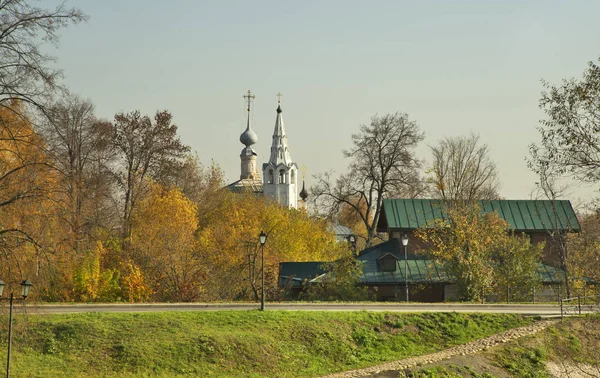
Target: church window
293,179
270,181
282,176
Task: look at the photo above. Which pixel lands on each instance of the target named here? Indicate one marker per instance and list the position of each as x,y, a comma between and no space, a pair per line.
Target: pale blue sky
454,67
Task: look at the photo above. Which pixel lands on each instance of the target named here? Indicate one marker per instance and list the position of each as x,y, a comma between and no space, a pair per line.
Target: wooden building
539,219
384,264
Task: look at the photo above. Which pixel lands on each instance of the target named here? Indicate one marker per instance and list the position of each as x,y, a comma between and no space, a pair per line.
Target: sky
454,67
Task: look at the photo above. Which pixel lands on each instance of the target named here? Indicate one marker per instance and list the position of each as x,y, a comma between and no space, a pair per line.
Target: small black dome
303,192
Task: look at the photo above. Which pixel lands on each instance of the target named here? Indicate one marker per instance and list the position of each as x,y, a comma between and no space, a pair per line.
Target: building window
387,263
270,180
282,176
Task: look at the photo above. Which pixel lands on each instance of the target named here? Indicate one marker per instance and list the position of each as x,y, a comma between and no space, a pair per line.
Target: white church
279,175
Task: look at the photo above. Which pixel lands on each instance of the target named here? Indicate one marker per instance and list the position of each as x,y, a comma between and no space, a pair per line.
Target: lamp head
405,240
26,288
352,238
262,237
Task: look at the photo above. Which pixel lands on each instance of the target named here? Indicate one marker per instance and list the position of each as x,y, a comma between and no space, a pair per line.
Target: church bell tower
280,174
248,138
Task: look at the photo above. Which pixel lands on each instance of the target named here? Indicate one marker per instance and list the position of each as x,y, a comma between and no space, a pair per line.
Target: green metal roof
428,271
419,269
521,215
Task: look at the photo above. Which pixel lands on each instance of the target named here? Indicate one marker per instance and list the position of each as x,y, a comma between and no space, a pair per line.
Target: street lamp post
25,288
263,239
405,244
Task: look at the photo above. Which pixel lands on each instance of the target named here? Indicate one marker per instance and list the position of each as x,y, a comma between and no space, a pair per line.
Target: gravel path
460,350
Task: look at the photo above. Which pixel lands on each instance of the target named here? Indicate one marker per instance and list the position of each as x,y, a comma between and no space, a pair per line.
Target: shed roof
340,229
297,272
341,232
521,215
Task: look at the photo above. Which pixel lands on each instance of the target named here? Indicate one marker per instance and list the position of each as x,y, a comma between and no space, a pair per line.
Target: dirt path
460,350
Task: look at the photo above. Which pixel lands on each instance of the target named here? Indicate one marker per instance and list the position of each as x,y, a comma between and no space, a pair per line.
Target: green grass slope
568,349
233,344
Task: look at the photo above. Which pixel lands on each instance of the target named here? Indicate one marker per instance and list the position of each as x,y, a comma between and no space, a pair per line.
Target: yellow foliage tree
135,287
92,282
163,244
25,181
230,248
478,252
584,251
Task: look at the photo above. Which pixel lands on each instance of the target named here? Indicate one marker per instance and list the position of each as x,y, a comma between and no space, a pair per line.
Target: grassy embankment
236,343
570,348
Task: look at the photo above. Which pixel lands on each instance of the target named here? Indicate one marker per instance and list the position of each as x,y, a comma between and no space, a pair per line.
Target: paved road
543,309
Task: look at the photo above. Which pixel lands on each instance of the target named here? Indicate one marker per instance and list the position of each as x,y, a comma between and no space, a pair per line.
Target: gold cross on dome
249,97
279,97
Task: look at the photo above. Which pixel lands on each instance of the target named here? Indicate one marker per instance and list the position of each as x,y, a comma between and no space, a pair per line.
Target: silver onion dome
248,137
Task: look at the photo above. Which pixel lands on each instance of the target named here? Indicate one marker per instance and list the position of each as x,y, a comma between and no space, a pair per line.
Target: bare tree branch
25,71
463,170
382,163
570,135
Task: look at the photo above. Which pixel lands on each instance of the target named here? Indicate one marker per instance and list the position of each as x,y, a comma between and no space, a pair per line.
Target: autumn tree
24,183
79,144
478,252
164,244
208,195
145,148
93,281
382,163
198,182
191,178
26,72
584,247
515,262
463,245
463,170
228,241
27,80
